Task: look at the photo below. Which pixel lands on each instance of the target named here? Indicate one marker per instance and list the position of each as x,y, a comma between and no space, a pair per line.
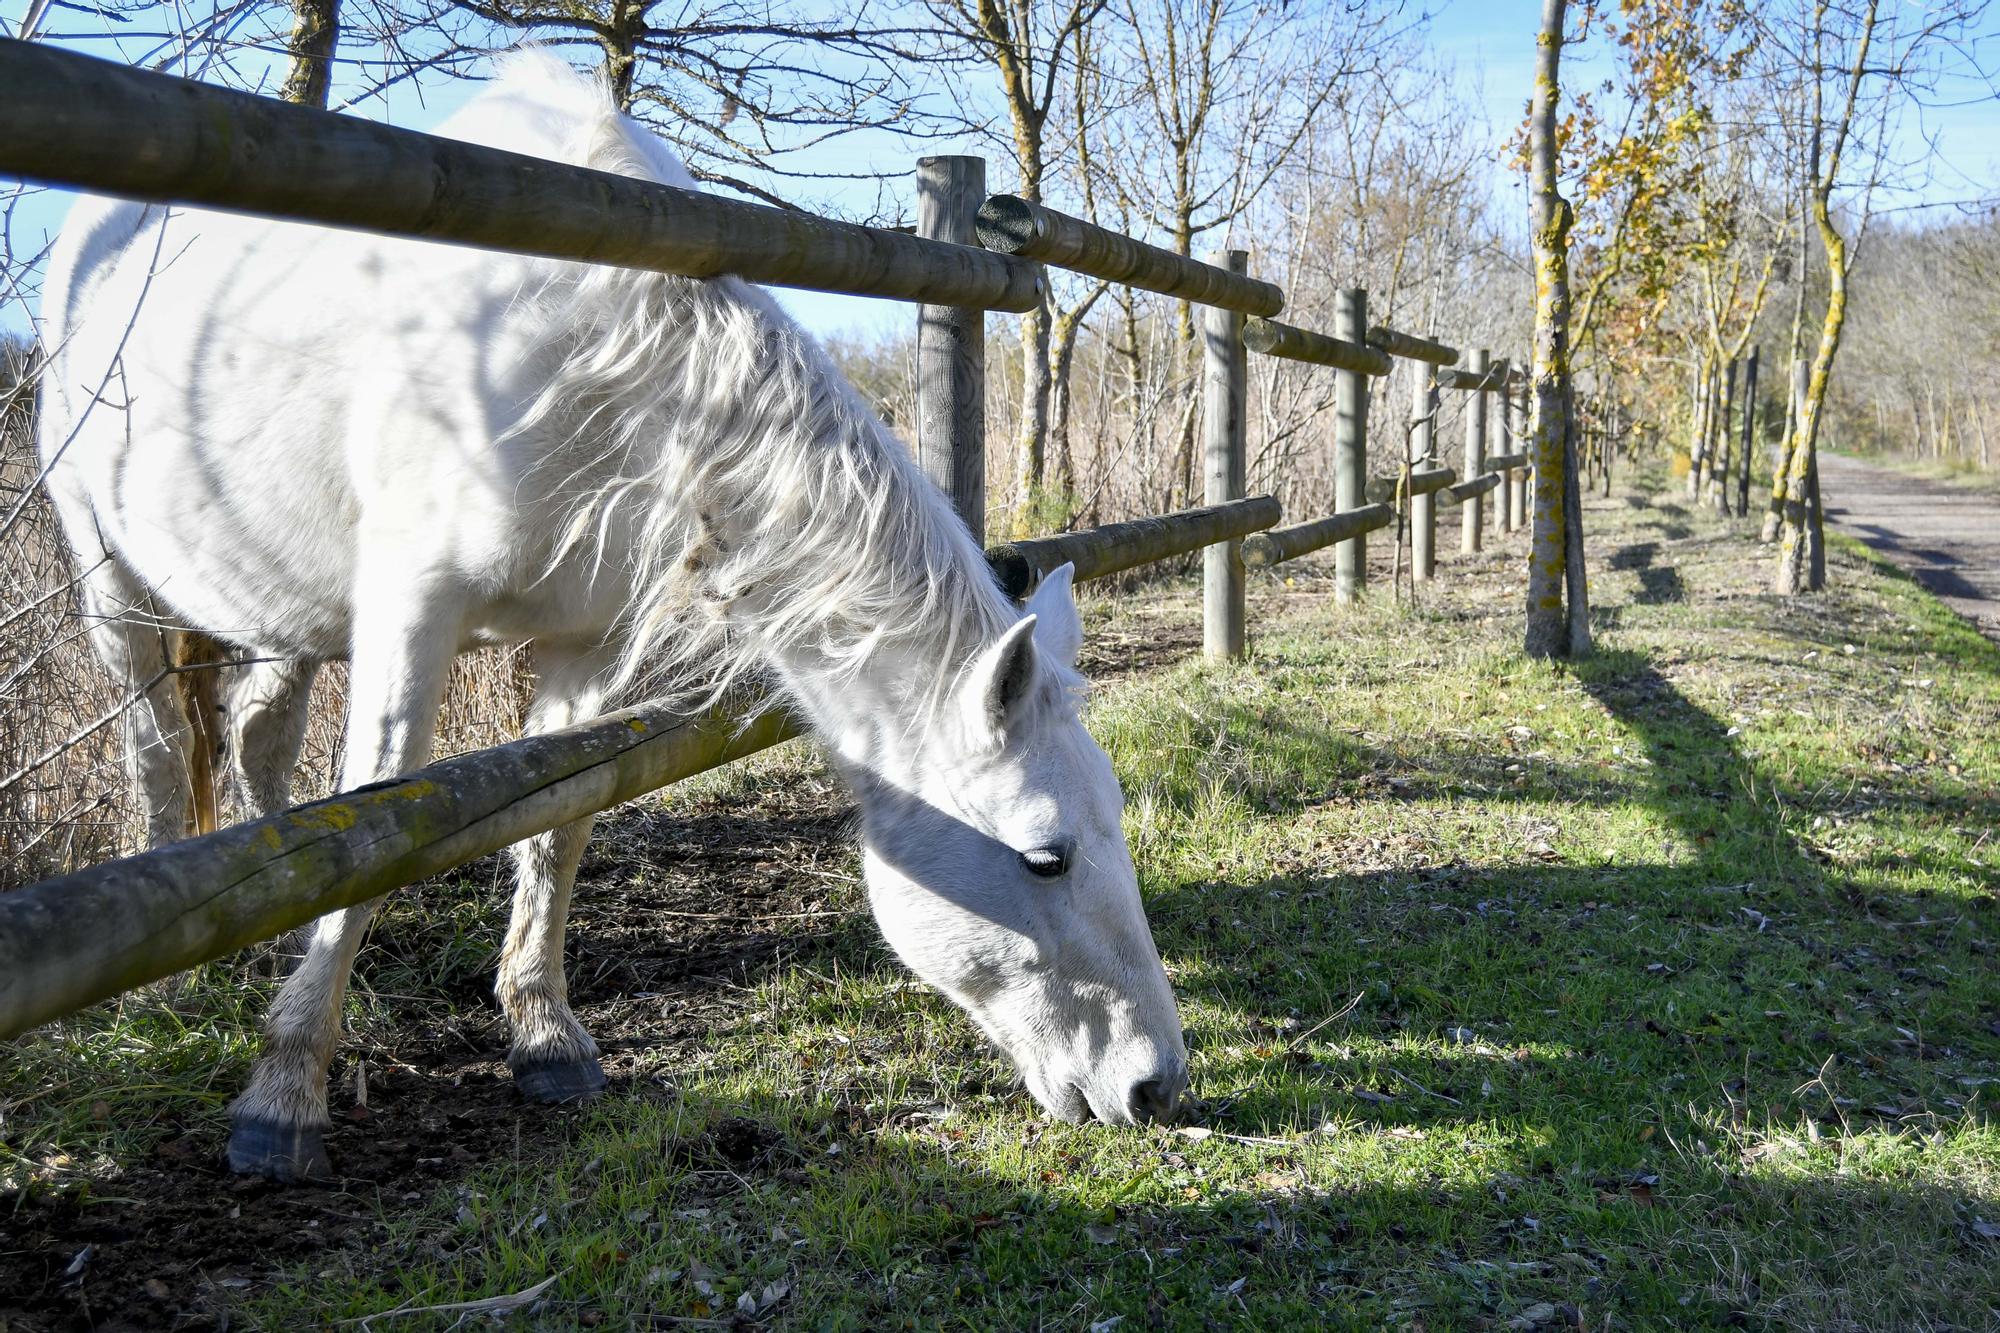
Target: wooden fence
76,121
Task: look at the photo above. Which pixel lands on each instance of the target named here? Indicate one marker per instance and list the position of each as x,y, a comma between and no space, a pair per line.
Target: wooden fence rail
72,120
1281,544
1014,226
93,124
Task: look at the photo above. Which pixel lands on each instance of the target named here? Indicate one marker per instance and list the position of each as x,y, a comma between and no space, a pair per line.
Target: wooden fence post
1724,434
1517,441
951,347
1423,453
1500,426
1225,395
1473,509
1749,434
1350,445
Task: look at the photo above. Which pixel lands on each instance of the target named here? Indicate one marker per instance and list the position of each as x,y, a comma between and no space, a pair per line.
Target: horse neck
800,528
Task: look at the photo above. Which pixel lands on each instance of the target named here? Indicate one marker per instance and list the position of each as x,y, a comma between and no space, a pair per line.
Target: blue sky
1490,44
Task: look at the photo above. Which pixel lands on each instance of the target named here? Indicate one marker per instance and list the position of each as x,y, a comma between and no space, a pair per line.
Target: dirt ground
720,895
1946,537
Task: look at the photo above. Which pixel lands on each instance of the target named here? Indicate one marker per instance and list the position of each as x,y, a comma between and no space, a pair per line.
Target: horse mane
777,520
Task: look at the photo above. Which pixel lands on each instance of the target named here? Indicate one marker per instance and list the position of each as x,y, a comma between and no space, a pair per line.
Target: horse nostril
1154,1098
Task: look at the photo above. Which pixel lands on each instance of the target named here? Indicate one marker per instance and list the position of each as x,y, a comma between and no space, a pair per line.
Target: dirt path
1947,538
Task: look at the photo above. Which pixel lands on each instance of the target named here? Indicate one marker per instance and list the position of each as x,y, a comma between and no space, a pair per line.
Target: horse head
997,867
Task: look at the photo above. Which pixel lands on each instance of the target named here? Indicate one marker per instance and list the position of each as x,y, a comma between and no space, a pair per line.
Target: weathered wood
1410,347
1350,445
1421,481
1470,489
68,942
951,347
1012,226
1117,547
1270,338
1506,462
1469,534
1423,448
1225,390
1518,478
76,121
1749,433
1494,379
1270,548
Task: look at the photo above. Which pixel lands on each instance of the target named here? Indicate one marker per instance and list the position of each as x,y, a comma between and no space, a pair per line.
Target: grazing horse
319,444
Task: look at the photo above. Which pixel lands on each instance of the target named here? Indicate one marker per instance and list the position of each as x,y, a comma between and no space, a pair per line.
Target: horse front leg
402,652
553,1059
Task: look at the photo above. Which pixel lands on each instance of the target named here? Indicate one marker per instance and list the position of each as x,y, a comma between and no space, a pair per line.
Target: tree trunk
1034,432
1698,428
315,33
1724,413
1555,553
1800,526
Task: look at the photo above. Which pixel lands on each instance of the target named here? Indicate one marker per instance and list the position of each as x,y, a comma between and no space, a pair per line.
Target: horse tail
196,659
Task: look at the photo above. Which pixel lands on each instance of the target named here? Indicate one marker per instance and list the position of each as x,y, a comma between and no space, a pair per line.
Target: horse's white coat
322,444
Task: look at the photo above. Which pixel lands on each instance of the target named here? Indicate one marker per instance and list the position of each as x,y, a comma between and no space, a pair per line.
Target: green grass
1657,991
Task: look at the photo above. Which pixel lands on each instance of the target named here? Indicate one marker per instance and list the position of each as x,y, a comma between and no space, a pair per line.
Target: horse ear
1058,627
1001,680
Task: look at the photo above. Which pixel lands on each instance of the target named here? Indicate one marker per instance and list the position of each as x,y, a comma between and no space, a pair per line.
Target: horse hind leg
553,1059
270,704
136,644
401,659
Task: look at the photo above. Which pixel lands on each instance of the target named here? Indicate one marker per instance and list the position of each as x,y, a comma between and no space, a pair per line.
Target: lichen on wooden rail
1410,347
91,124
1116,547
1270,338
86,936
1271,548
1012,226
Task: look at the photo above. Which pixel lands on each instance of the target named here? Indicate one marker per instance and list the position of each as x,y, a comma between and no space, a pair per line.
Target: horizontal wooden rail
1427,481
1411,347
1282,544
1465,379
92,124
1017,227
1465,490
1506,462
68,942
1271,338
1116,547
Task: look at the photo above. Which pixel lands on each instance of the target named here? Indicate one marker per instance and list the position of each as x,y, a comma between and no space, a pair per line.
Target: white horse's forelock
666,388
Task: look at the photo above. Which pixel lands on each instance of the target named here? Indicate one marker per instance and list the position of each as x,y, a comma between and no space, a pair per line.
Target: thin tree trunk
315,33
1555,554
1801,560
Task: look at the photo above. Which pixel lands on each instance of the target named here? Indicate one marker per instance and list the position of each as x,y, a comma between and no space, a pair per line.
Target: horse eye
1047,862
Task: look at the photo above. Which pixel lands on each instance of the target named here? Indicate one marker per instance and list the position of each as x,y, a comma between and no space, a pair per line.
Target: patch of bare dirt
675,915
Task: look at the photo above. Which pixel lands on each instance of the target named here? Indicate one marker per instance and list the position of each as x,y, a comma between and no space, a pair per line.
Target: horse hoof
285,1153
553,1081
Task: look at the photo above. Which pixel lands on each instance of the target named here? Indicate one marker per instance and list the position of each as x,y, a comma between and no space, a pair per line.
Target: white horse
316,444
